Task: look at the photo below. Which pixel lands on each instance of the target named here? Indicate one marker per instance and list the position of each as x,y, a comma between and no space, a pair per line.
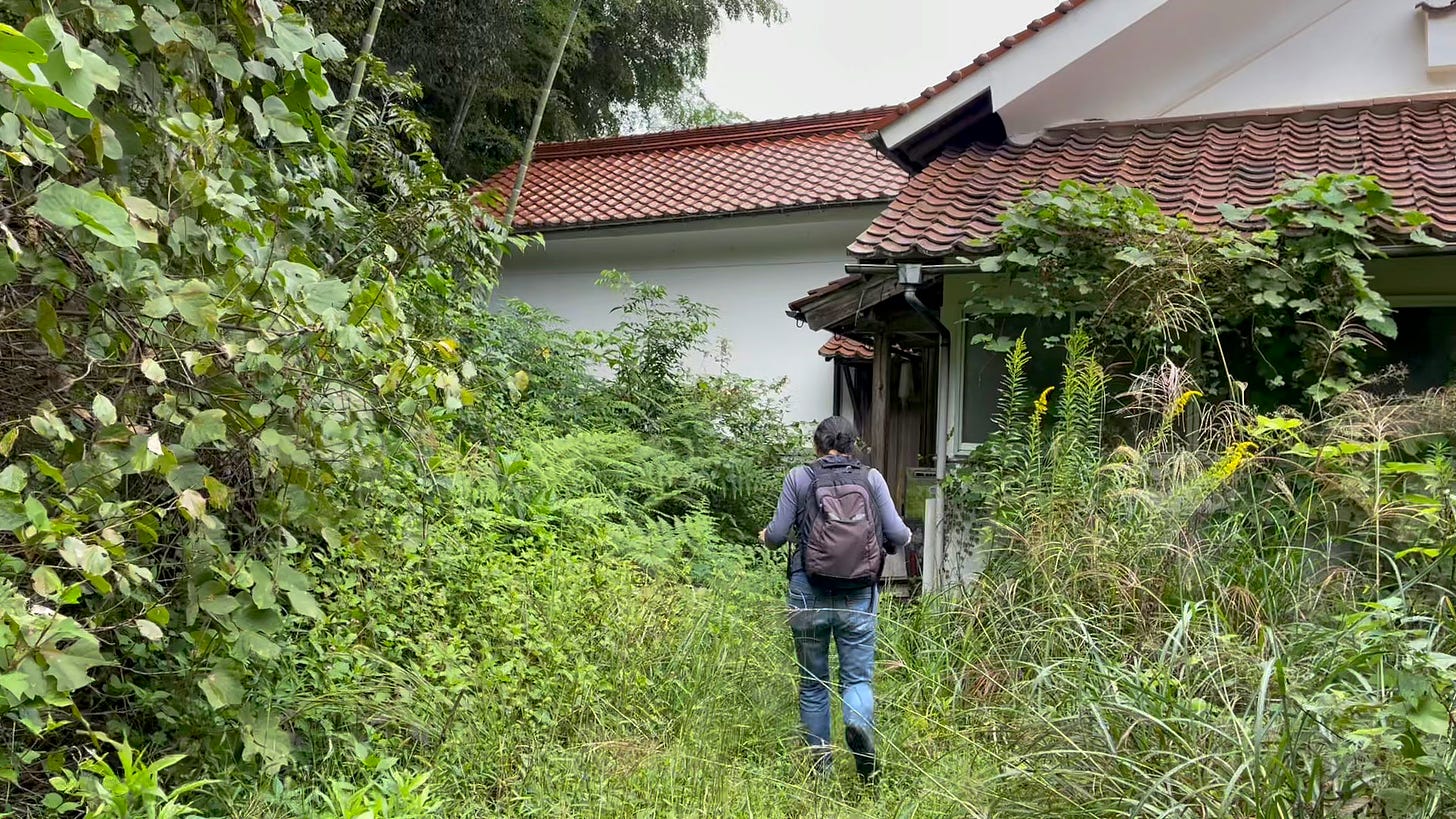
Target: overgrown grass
1163,630
1220,615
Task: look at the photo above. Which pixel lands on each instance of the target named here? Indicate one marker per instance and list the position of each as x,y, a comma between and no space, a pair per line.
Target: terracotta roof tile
1032,29
824,290
845,348
761,166
1190,166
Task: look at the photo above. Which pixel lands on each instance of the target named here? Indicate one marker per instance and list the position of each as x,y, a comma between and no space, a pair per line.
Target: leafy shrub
1174,625
200,308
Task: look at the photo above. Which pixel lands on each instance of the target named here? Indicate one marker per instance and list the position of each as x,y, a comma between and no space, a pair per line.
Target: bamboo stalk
366,47
540,114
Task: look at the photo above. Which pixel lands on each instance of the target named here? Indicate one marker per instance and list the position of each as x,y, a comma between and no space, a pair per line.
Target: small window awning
844,348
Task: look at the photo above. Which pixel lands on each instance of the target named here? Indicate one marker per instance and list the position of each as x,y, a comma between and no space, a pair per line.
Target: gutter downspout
910,276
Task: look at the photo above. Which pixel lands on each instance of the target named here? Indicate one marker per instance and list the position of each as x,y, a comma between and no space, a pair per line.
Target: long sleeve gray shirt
796,491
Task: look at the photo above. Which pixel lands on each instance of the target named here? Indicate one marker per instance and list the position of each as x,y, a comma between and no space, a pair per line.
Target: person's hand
763,536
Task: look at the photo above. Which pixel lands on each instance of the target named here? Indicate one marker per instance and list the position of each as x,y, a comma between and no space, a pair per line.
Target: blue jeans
849,618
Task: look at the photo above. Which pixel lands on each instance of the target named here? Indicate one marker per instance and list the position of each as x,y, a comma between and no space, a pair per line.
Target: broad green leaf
265,739
260,122
80,71
13,516
303,603
187,476
320,92
149,630
103,409
69,207
88,556
48,325
224,60
262,71
112,16
292,35
266,621
206,427
159,27
69,666
192,504
46,582
8,271
7,443
222,689
45,98
19,51
328,294
157,307
36,512
285,124
328,48
153,371
17,684
263,596
1430,716
45,468
220,605
12,479
194,302
218,494
291,579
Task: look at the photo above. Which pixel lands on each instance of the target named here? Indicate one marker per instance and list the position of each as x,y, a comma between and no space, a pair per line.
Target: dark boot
862,746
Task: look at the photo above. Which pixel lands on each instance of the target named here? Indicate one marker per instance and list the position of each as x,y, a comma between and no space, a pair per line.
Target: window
984,371
1425,346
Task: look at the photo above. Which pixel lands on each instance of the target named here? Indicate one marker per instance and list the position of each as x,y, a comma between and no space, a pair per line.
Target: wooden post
878,435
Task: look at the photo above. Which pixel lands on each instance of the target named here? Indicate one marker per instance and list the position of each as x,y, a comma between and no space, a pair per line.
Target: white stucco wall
1363,49
1144,59
748,267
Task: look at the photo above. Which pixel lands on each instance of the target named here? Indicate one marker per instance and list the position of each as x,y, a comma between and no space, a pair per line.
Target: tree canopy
630,63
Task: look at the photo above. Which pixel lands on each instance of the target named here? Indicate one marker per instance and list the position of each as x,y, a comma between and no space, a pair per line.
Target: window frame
959,319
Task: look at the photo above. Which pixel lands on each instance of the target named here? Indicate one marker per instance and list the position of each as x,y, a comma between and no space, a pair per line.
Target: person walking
844,523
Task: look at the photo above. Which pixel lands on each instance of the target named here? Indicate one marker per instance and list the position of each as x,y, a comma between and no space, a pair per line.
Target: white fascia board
1027,65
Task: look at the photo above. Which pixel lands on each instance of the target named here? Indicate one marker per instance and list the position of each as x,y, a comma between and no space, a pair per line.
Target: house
1197,102
739,217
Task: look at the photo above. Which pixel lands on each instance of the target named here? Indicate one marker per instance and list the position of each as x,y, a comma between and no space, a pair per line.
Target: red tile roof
1190,166
803,162
848,349
1032,29
820,292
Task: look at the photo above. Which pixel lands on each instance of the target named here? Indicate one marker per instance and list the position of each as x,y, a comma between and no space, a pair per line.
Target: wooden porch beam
878,436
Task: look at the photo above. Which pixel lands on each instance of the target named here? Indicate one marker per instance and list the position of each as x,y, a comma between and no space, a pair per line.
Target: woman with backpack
844,522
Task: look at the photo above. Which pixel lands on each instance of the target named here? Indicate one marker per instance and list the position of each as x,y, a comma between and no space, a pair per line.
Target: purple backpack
840,527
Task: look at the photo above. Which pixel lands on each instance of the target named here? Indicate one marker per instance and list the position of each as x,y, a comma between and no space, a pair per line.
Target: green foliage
482,62
1177,624
725,426
205,332
135,789
1283,314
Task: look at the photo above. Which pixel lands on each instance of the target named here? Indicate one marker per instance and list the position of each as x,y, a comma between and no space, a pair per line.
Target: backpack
840,528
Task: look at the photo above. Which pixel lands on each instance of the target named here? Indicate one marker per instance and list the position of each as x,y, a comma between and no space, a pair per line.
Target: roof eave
699,217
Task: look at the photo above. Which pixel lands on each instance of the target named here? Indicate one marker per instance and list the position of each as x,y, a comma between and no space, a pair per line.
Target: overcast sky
835,55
